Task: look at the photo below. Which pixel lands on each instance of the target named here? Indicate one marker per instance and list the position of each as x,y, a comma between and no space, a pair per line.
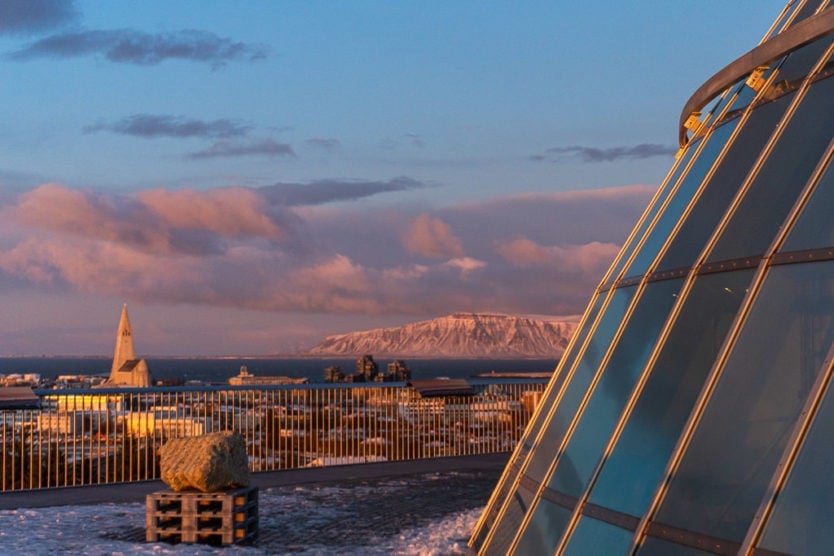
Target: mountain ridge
458,335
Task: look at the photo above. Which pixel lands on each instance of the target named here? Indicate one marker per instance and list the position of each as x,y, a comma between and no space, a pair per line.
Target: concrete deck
136,492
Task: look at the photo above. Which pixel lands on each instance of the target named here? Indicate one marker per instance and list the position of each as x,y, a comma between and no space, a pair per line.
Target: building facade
127,370
692,412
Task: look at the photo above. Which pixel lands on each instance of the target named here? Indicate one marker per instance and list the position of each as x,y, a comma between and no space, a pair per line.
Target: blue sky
253,176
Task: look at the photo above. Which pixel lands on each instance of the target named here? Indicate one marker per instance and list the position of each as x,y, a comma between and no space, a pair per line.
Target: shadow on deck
137,491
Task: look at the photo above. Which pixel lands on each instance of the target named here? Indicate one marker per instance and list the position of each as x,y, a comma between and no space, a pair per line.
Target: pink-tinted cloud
523,252
156,221
229,211
465,264
432,237
237,248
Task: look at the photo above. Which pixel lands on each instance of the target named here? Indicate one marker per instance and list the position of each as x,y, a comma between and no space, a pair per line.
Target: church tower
124,343
126,369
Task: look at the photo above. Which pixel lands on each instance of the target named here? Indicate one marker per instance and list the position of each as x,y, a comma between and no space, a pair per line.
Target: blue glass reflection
541,459
596,537
583,452
632,472
681,198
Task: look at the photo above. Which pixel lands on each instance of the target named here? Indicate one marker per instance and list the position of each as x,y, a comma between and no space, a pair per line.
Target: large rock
208,463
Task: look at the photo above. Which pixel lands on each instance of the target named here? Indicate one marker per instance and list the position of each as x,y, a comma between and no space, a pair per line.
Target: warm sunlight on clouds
432,237
242,248
227,211
523,252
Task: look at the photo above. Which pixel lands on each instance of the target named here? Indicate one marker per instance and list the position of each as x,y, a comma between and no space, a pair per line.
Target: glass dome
692,412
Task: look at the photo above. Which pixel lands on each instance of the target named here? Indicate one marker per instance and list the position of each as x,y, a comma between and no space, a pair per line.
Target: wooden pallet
218,518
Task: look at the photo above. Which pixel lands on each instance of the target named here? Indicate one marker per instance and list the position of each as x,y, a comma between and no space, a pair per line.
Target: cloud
154,125
323,142
404,140
235,212
432,237
591,257
332,190
594,154
153,221
30,16
128,46
523,252
226,149
239,247
465,264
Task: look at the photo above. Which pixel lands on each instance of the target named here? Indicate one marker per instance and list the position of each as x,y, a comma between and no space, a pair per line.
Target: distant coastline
220,368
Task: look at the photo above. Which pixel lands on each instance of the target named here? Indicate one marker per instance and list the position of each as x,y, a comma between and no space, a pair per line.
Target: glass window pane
732,455
801,520
492,512
806,11
670,182
657,547
506,529
541,459
533,429
723,185
681,198
544,529
596,537
635,467
773,192
580,458
813,228
800,62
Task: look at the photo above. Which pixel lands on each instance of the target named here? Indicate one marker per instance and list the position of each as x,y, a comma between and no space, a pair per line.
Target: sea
218,370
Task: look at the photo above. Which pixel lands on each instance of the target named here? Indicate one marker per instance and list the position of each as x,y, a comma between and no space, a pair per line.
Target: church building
127,370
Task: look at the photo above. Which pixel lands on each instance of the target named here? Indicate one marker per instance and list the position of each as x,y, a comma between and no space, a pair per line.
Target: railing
99,436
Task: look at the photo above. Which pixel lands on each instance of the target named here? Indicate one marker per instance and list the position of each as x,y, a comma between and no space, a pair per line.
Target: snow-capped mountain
464,335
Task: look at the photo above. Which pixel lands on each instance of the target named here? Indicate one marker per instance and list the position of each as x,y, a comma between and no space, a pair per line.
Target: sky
251,177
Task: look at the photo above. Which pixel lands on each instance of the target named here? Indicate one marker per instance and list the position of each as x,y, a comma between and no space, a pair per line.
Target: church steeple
126,369
124,343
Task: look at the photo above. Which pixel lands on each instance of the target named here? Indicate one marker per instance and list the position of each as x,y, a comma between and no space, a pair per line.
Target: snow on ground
429,514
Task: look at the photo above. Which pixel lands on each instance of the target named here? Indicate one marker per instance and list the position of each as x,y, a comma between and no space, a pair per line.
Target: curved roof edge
787,41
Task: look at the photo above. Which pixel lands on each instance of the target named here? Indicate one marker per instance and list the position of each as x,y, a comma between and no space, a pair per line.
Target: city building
398,371
366,369
127,370
334,374
693,411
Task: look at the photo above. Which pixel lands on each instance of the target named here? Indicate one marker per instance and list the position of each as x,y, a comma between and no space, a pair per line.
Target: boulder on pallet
208,463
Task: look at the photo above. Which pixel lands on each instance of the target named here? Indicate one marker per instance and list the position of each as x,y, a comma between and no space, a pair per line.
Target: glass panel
813,228
673,179
657,547
806,11
764,385
585,447
541,459
682,197
596,537
782,176
723,185
800,62
544,529
507,528
801,520
743,99
492,511
635,467
533,429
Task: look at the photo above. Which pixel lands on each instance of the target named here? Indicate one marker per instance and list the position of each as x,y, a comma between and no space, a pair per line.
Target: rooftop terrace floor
418,507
